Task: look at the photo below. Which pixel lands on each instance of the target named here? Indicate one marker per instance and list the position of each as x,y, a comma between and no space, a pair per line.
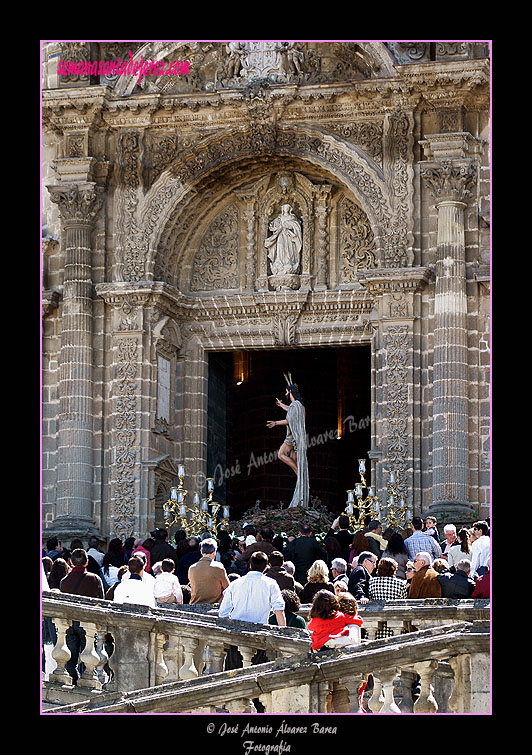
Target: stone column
451,183
78,206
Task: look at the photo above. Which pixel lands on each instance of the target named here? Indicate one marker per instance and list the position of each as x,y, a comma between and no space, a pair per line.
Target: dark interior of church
335,384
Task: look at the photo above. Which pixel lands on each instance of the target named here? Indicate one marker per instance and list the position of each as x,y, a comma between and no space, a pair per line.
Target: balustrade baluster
188,670
460,698
171,657
90,659
426,702
354,685
161,669
408,677
214,657
61,653
99,647
247,654
386,679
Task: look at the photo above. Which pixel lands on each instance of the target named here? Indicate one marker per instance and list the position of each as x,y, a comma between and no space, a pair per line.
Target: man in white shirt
253,598
134,590
166,587
480,549
94,552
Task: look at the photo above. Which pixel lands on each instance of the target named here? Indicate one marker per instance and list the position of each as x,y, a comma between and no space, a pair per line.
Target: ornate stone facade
160,196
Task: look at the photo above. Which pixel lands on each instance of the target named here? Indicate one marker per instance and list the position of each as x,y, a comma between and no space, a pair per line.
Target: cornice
387,280
186,306
413,82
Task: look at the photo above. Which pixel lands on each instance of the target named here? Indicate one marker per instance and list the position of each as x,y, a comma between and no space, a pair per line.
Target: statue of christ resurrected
293,450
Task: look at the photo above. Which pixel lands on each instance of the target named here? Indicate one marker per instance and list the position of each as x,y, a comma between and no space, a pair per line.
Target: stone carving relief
216,261
284,330
357,243
385,198
396,343
366,134
124,493
163,149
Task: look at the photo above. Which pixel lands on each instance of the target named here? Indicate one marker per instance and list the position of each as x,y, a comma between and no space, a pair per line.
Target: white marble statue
285,243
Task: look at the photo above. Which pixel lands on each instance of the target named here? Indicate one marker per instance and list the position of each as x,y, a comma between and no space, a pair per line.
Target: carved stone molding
397,343
450,181
77,204
123,516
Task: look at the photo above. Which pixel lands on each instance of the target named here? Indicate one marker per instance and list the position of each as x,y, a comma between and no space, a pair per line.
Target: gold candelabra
362,510
396,515
201,516
359,511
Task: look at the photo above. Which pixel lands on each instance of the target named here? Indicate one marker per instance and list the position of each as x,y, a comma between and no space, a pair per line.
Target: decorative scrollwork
216,262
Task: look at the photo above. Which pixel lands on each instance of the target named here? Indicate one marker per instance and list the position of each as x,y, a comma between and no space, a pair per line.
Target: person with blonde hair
317,579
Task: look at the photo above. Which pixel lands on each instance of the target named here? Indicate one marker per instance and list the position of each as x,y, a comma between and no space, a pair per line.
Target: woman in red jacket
327,622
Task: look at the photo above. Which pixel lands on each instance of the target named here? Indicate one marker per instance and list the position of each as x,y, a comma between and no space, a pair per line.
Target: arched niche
224,250
223,163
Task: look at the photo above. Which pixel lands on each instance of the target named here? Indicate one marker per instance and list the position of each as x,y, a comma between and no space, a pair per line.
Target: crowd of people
261,577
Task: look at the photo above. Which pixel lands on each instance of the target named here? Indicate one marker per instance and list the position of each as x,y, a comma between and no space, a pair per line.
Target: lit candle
402,502
371,491
226,512
173,494
392,478
209,523
196,499
210,484
358,489
181,470
391,501
180,496
362,466
349,507
205,505
350,495
182,510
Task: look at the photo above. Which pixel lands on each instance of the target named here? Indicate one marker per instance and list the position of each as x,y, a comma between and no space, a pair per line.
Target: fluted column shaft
450,467
451,183
78,207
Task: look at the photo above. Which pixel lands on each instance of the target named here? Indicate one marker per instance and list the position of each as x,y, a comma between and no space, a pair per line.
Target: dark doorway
242,452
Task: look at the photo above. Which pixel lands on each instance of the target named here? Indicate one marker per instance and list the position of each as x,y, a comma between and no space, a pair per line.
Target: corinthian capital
77,203
450,180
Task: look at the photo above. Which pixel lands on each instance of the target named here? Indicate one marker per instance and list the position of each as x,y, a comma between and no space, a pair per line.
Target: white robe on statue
296,422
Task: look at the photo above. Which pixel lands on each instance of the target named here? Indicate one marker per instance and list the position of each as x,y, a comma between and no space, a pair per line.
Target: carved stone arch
367,60
194,167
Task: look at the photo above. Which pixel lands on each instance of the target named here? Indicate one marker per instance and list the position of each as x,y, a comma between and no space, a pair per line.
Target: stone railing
151,646
172,659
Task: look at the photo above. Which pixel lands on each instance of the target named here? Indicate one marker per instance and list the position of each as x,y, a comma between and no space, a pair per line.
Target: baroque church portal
319,207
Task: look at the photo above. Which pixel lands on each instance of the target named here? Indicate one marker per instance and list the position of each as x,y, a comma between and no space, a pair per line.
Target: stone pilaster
78,206
321,212
396,439
451,183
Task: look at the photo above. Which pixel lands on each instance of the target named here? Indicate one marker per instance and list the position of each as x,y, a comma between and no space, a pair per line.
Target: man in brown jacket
277,571
207,577
264,544
425,582
79,582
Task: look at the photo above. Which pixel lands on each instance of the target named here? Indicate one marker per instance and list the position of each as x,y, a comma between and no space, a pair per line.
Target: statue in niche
285,243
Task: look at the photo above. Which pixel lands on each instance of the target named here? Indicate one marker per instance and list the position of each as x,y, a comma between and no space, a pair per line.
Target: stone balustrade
171,660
